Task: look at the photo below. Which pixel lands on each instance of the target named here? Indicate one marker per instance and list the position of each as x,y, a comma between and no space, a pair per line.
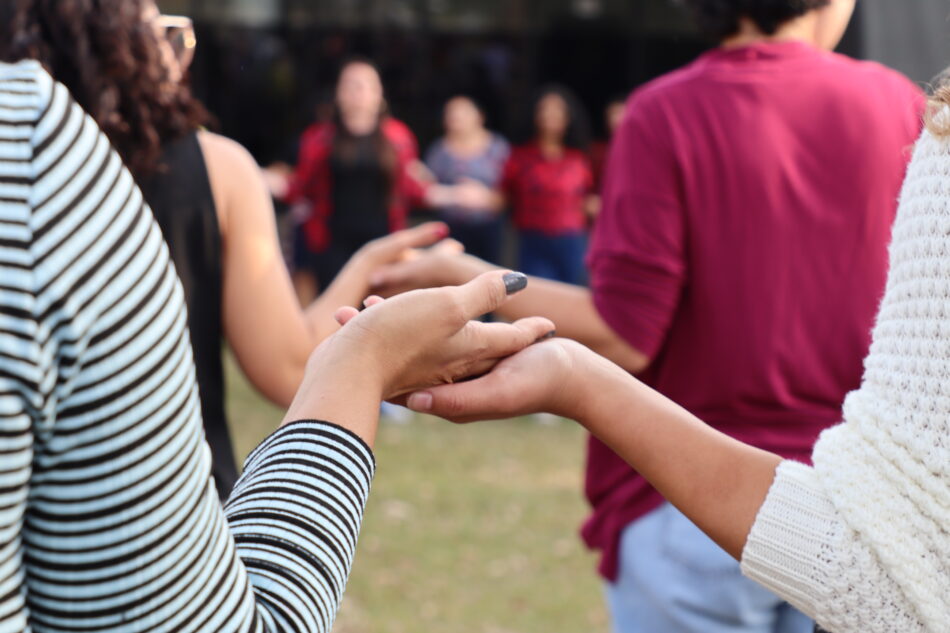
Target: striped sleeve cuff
295,515
787,549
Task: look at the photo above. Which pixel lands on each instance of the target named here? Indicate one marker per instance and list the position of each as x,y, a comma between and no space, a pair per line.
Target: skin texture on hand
539,379
718,482
414,341
352,284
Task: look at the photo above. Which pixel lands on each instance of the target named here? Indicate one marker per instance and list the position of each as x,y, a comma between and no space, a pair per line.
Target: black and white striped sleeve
330,468
109,520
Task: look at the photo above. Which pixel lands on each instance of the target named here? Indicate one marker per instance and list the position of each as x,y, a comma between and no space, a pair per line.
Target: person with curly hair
206,193
109,517
736,267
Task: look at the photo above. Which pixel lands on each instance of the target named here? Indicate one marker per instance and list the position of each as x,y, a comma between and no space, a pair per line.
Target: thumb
488,291
479,399
345,314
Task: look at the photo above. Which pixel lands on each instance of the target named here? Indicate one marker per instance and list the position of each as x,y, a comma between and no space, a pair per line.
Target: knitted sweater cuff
787,550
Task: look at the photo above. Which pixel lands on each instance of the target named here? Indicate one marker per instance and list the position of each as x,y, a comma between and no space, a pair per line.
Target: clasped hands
425,349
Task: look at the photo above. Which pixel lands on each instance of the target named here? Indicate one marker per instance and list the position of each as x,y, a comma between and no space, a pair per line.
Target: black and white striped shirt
108,517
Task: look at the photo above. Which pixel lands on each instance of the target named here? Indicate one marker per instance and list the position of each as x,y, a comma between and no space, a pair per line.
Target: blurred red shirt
742,246
547,195
312,179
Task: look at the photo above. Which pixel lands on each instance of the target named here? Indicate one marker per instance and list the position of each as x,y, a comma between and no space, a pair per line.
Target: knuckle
497,293
455,309
454,405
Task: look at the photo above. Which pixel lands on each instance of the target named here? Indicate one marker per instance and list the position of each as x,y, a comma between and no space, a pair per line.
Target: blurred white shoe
545,419
394,414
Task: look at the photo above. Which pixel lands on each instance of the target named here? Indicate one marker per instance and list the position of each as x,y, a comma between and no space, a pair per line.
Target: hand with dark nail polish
515,282
429,337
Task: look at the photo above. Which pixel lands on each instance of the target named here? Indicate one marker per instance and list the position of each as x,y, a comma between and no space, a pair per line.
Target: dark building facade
265,66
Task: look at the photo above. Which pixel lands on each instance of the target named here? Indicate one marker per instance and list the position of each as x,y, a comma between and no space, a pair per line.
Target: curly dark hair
720,18
111,62
578,134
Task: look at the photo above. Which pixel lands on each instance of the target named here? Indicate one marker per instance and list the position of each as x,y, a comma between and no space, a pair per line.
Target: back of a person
772,182
109,518
791,161
180,196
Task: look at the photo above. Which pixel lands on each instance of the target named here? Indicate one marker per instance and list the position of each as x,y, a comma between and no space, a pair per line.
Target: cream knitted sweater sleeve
862,540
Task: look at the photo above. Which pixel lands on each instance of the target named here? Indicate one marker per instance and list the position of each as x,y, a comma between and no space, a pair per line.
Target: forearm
342,388
464,195
350,288
718,482
570,307
295,516
573,312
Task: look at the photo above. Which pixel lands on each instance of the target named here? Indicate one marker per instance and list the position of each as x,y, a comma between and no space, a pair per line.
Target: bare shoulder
235,177
223,154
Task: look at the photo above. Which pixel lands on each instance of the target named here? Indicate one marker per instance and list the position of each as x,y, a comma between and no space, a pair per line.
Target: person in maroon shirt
736,267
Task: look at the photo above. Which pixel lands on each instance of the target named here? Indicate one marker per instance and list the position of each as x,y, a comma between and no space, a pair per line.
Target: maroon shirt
747,208
547,194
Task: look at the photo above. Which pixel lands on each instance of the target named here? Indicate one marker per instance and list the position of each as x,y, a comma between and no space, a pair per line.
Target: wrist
343,383
467,268
353,278
594,383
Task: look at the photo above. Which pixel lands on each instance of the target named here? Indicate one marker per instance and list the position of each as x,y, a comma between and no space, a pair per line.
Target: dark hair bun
720,18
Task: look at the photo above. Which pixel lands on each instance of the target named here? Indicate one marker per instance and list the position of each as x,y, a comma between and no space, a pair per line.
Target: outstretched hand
544,377
401,246
353,282
428,337
433,268
540,378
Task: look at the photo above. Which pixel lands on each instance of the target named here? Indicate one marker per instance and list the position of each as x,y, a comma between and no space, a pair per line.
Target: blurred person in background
470,153
549,186
360,175
613,116
124,62
736,267
292,216
548,183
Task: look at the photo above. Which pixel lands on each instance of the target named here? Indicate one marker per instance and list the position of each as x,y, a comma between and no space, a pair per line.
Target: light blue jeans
674,579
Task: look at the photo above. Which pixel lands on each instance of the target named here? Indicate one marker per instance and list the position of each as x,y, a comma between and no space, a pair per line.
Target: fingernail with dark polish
515,282
547,336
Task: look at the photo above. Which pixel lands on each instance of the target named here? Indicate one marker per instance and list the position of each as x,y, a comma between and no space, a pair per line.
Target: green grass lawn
468,529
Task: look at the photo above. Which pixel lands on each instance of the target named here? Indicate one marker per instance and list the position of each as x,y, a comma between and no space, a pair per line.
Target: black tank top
181,200
361,193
